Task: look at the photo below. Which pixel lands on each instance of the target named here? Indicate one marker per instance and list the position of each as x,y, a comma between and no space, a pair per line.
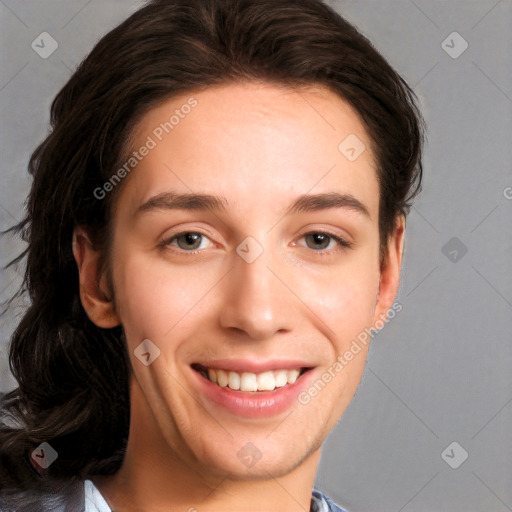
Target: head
254,105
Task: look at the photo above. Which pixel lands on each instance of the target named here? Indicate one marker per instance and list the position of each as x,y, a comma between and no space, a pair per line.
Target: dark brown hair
73,376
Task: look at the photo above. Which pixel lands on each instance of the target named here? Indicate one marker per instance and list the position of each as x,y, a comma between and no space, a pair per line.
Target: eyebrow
304,203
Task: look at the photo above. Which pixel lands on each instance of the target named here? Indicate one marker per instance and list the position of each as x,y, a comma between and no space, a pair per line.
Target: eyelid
166,241
341,242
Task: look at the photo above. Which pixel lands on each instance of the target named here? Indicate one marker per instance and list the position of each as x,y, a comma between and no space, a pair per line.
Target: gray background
441,370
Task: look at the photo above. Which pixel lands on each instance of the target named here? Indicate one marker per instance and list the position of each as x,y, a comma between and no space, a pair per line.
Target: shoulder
322,503
60,497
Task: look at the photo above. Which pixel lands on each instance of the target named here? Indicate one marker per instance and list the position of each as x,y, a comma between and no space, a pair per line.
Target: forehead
253,144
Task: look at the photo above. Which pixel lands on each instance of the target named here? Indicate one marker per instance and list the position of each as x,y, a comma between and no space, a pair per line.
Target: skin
260,146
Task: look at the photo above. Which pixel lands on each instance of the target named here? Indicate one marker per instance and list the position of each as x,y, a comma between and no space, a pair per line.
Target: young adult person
215,218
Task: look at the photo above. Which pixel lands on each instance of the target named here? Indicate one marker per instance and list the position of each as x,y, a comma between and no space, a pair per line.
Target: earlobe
390,271
94,294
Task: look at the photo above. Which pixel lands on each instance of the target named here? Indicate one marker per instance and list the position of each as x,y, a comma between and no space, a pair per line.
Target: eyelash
341,242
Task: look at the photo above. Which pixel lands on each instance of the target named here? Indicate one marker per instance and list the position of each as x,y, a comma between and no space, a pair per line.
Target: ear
94,290
390,271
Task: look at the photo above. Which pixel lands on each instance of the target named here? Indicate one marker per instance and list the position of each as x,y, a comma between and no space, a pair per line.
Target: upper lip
253,365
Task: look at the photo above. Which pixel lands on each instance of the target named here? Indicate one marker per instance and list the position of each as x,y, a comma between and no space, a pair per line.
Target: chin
259,459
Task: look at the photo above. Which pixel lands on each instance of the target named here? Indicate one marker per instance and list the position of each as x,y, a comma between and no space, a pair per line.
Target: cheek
154,298
346,304
345,301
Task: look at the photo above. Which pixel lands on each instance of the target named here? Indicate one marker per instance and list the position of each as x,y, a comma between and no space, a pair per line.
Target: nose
256,300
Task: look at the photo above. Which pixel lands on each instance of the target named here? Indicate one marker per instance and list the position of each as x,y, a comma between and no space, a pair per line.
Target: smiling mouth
248,381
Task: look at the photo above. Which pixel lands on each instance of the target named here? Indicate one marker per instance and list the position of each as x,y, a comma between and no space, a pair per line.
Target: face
254,284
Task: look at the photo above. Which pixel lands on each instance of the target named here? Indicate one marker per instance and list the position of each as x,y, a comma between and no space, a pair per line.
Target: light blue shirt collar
95,502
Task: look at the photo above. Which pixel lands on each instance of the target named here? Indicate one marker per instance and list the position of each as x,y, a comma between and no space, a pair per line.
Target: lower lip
260,404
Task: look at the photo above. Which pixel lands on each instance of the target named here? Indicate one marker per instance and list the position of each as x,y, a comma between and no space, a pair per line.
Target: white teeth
281,378
248,381
293,375
266,381
234,380
222,378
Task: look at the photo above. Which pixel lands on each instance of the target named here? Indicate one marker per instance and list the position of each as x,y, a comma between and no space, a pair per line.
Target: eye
188,241
322,240
191,241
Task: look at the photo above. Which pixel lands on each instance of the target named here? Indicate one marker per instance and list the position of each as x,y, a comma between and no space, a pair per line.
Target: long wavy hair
73,377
